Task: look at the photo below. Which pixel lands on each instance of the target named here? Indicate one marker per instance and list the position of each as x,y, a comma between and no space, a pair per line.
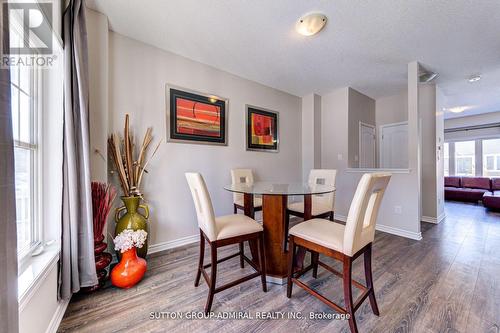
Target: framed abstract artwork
262,129
196,117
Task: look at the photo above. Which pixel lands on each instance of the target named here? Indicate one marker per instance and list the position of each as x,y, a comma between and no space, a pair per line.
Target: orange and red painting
262,131
196,117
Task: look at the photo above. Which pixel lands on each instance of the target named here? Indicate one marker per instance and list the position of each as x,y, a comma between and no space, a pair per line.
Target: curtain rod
470,128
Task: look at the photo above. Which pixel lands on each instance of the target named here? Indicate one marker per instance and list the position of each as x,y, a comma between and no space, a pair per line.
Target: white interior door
394,146
366,146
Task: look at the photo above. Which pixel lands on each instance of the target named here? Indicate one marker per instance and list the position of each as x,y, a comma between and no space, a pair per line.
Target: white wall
427,111
311,134
391,109
138,74
39,309
41,312
334,155
97,31
440,103
361,109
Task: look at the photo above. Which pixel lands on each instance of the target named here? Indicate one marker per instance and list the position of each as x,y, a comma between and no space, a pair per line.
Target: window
25,133
446,158
465,158
491,158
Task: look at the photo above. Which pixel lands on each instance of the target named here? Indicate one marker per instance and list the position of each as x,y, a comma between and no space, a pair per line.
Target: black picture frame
274,131
174,135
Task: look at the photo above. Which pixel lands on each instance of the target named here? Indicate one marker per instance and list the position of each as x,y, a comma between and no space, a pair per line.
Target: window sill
35,272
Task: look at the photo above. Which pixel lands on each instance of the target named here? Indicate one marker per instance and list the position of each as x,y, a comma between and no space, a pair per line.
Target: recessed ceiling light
459,109
310,24
474,78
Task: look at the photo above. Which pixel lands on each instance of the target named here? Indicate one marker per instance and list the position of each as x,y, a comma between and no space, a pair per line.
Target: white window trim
496,165
25,256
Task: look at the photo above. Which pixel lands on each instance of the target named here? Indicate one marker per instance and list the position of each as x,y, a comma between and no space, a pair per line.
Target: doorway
366,145
394,146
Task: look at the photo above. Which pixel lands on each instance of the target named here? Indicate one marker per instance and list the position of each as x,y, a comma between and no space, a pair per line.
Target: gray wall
335,113
427,109
311,134
138,74
361,109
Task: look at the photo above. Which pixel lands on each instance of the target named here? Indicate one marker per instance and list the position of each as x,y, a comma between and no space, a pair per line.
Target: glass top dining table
275,217
273,188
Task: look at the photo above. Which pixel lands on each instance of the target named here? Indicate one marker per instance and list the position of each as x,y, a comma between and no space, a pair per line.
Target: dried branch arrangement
130,170
102,199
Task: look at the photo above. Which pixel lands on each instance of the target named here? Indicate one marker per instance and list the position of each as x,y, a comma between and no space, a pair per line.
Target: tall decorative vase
102,260
132,219
129,271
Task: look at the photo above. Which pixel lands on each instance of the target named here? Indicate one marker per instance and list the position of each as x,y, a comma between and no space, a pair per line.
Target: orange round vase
129,270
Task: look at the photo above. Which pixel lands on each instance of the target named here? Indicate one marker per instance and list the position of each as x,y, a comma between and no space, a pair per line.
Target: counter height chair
243,176
344,243
322,205
223,231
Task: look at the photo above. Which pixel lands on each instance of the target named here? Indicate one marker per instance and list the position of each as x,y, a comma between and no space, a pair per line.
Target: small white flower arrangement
129,238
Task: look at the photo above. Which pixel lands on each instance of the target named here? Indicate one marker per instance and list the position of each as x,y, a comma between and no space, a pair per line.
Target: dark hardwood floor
447,282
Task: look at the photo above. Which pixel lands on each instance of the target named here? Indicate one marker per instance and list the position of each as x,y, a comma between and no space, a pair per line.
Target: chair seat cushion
320,231
257,202
317,208
235,225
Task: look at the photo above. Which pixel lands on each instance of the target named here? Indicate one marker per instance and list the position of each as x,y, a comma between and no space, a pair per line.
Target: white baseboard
435,220
57,317
399,232
429,219
173,243
388,229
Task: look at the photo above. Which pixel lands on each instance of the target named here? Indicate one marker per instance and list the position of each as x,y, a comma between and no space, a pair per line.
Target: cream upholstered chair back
239,176
324,177
362,217
202,204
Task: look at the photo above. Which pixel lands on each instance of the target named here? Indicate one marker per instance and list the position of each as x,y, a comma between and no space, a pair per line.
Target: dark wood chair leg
331,216
242,253
369,279
213,275
262,263
314,262
200,260
287,226
235,209
347,277
291,261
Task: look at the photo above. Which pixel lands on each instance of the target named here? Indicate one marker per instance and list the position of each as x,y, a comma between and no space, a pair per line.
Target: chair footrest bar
335,272
319,296
236,282
251,263
223,259
303,271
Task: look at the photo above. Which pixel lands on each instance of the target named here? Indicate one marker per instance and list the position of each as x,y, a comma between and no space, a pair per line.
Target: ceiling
365,44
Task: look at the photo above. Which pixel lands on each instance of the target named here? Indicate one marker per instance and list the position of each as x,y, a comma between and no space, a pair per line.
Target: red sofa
491,199
473,189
